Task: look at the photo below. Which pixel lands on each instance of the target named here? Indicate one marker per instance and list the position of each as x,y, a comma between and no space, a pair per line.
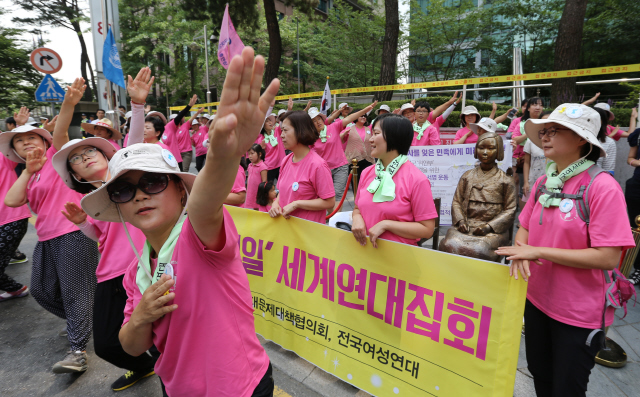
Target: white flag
325,105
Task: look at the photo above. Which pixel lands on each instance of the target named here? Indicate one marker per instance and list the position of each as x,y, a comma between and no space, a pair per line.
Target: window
322,6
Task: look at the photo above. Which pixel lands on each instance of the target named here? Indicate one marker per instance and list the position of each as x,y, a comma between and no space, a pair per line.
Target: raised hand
138,88
413,102
74,213
634,113
370,107
494,106
22,116
193,100
290,104
75,92
50,125
35,160
455,97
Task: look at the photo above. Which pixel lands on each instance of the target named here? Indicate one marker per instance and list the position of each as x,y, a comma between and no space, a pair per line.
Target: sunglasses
88,152
122,191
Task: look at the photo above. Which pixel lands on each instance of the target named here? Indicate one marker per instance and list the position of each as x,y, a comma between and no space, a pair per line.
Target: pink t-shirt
263,208
238,184
115,251
516,132
253,181
47,194
331,150
570,295
618,134
273,155
473,138
308,179
170,138
431,135
198,138
413,202
115,144
208,345
7,178
184,138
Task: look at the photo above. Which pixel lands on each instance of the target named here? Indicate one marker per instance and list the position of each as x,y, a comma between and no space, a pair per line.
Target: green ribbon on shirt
323,134
271,139
383,187
143,276
556,181
420,130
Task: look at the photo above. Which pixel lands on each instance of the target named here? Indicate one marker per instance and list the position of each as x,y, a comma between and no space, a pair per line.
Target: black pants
264,388
200,161
557,354
108,315
273,174
10,236
362,165
632,197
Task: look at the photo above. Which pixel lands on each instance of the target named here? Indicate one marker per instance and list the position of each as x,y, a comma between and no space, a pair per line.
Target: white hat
61,158
147,157
31,121
383,107
206,116
580,119
195,121
280,112
155,113
128,114
607,108
271,114
6,147
105,123
485,123
467,110
343,104
405,107
171,117
313,113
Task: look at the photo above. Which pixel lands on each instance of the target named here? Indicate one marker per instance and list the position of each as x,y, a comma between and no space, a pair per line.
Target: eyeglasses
88,152
550,132
122,191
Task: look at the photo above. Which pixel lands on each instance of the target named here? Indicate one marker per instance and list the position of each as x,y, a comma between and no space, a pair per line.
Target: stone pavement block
619,339
287,361
601,385
632,336
523,386
633,314
522,355
627,378
328,385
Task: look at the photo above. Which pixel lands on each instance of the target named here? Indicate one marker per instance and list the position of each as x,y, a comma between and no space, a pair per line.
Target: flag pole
105,30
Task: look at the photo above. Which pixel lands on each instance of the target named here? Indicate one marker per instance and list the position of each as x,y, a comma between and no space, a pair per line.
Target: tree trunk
567,54
389,49
275,42
85,64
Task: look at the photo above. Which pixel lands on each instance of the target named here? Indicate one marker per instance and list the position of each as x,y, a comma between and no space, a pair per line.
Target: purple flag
230,43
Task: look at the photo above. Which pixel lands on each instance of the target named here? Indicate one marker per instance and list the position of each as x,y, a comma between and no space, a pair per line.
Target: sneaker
72,362
18,257
635,277
21,293
129,379
63,333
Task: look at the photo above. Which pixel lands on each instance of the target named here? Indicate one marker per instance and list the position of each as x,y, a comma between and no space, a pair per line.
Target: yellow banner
474,80
397,320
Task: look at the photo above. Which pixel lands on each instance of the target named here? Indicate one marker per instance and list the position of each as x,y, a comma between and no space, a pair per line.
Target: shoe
72,362
63,333
18,257
635,277
129,379
21,293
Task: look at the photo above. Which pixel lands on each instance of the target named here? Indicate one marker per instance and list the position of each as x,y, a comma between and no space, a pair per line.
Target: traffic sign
46,60
49,90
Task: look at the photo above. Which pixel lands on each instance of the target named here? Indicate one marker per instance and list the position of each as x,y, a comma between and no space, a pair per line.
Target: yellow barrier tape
474,80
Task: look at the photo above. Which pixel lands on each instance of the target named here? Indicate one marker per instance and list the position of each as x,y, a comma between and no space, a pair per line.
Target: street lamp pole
206,59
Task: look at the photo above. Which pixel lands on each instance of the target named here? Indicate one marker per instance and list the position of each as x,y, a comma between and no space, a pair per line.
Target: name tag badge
566,205
295,186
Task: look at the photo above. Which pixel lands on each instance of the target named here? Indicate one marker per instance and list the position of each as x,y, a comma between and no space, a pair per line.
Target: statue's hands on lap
482,231
463,227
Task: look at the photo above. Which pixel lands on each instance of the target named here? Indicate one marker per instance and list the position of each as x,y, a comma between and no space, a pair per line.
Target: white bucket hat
467,110
147,157
155,113
61,158
313,113
128,114
206,116
281,111
580,119
195,121
343,104
105,123
383,107
6,138
405,107
485,123
607,108
31,121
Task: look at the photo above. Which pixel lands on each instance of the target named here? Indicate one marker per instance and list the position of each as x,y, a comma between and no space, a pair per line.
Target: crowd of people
293,163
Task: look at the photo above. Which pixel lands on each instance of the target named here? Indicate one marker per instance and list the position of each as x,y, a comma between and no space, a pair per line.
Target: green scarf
143,277
323,134
556,181
420,130
383,187
271,139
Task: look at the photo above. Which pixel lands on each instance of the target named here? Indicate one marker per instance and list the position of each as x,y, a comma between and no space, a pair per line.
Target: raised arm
22,116
438,111
332,117
592,100
633,120
236,127
61,131
356,115
502,117
494,107
138,90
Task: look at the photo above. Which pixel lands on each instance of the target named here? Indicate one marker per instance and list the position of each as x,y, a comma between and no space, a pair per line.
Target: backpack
619,290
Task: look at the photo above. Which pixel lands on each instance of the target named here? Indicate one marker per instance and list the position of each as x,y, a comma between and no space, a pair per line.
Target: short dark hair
396,130
524,102
158,125
10,120
262,197
306,132
122,107
100,110
258,149
423,104
463,122
604,122
533,101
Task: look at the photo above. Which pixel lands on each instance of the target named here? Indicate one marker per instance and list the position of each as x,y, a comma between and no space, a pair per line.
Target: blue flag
111,66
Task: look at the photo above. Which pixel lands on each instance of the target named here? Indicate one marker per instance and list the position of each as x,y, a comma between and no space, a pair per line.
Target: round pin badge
566,205
168,269
574,112
169,158
164,137
295,186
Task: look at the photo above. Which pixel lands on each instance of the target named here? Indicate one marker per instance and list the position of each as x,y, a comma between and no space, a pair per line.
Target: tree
567,52
389,49
243,13
60,13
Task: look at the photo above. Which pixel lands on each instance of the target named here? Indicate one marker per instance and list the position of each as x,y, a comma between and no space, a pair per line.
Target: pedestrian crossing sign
49,90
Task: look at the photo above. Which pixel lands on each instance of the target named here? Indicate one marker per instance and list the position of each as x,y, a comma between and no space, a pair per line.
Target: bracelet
136,103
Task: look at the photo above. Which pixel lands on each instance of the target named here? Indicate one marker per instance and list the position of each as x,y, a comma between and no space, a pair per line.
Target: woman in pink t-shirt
394,199
265,196
425,132
271,141
305,185
565,259
355,143
63,278
257,171
238,193
216,352
103,129
612,132
464,135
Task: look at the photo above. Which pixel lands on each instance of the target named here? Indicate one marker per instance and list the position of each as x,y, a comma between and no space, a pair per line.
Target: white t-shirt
608,163
538,162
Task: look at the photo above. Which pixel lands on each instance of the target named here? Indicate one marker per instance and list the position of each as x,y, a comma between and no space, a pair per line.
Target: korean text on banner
397,320
230,43
444,165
